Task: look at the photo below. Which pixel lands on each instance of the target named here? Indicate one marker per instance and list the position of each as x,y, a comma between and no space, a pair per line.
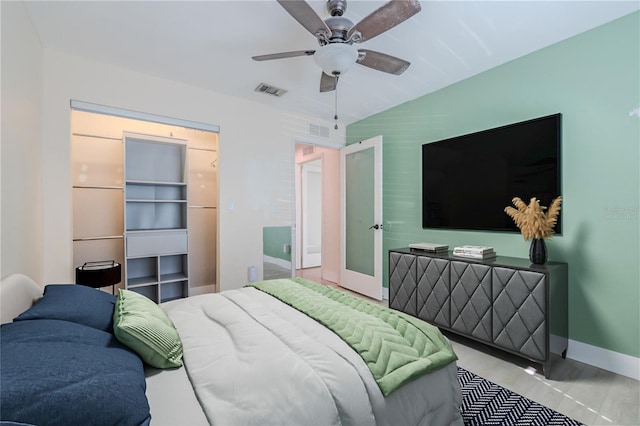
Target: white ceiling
209,44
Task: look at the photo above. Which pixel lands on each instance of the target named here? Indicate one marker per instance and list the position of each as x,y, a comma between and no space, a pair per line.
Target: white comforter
254,360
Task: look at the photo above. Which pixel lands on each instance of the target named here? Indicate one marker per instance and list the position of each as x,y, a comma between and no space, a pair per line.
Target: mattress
251,359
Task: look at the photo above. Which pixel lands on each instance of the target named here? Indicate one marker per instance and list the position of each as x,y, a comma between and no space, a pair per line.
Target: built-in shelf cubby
155,215
173,277
142,271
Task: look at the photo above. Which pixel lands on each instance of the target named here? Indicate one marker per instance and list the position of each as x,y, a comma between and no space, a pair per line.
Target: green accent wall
593,79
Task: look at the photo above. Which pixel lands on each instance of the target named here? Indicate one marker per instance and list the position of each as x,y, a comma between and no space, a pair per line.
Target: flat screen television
467,181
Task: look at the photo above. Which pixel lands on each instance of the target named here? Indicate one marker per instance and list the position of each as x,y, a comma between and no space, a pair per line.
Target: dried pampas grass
532,220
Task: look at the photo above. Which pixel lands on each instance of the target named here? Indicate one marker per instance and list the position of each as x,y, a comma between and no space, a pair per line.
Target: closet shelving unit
156,236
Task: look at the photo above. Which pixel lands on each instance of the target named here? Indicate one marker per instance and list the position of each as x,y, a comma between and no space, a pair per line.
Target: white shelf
141,282
154,183
167,278
155,201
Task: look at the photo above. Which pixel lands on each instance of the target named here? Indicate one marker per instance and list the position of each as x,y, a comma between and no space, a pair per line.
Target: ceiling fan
337,34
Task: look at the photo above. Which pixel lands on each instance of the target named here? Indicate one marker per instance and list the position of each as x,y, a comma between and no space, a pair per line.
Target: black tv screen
467,181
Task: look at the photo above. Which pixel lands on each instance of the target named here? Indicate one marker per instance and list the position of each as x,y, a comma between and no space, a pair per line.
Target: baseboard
330,276
282,263
557,344
606,359
385,293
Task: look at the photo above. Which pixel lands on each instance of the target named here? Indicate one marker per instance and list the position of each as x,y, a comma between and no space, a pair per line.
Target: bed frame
17,294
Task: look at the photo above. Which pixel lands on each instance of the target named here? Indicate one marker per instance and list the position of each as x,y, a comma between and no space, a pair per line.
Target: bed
249,357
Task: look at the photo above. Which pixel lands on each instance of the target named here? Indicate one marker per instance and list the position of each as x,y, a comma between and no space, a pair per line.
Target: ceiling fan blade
384,18
283,55
328,83
382,62
306,16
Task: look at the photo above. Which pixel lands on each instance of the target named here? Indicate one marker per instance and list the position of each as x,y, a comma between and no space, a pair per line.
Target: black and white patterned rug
486,403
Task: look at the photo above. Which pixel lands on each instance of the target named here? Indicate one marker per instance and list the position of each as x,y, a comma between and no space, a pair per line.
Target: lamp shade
99,274
336,58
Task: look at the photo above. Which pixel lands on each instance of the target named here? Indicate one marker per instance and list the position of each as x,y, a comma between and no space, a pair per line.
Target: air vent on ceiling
317,130
270,90
308,150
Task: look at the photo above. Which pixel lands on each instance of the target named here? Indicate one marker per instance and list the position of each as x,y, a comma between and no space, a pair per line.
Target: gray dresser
506,302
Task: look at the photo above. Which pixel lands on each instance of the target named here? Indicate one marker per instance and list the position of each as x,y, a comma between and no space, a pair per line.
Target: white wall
21,206
256,156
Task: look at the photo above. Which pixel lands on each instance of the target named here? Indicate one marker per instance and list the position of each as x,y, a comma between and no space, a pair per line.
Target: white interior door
361,187
311,177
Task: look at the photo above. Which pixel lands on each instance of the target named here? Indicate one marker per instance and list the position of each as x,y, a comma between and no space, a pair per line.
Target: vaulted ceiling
209,44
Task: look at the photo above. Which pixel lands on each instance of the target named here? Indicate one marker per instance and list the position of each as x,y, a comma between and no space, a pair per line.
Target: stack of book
474,252
430,247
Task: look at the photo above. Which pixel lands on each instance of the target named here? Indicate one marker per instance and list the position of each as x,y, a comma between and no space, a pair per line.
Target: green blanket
396,347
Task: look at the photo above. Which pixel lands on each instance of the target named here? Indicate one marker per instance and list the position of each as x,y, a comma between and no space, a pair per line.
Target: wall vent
308,150
270,90
317,130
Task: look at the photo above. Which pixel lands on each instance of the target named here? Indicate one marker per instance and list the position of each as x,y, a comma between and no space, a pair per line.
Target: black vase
538,251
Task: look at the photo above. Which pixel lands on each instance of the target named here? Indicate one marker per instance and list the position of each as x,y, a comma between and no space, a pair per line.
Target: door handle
376,226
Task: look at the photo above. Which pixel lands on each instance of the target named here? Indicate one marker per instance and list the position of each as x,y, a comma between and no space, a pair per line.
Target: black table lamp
99,274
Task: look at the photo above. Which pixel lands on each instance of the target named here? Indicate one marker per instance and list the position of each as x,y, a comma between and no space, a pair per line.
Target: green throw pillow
143,326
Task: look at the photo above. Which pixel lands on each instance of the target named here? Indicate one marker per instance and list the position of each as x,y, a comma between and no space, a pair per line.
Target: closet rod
111,237
97,187
203,149
87,135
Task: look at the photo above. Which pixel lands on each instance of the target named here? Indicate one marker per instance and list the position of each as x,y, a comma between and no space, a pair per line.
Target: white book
473,249
432,247
479,255
475,255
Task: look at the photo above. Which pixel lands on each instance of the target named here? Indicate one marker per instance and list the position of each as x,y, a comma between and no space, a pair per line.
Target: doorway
361,187
311,213
317,194
98,189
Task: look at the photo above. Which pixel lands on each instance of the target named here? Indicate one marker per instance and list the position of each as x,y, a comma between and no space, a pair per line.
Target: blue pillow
61,373
74,303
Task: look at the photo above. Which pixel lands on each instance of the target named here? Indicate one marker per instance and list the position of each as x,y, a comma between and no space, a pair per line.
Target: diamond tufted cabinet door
519,312
434,293
402,282
471,300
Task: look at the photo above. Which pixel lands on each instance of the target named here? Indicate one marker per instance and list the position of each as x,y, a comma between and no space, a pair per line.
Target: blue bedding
57,372
75,303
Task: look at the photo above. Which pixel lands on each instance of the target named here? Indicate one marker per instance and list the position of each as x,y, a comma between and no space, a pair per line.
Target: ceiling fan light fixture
336,58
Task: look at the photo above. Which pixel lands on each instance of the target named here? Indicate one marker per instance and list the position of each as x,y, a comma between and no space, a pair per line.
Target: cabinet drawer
520,311
402,282
156,243
471,299
434,290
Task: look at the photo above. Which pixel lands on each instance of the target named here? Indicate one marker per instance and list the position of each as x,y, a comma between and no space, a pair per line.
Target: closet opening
123,195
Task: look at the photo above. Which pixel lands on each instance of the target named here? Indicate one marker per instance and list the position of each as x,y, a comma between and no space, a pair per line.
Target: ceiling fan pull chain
335,117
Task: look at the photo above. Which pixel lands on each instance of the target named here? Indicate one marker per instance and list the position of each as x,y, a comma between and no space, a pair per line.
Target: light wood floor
588,394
